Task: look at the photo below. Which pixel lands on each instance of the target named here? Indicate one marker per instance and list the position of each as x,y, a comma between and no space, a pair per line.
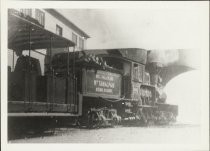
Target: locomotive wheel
82,122
162,118
140,116
78,122
150,122
114,122
93,120
147,117
144,118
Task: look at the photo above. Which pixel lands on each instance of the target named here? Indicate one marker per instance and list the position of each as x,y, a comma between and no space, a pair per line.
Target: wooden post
13,60
52,73
29,81
67,81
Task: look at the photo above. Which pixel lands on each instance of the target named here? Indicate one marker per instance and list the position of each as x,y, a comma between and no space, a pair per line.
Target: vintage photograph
106,75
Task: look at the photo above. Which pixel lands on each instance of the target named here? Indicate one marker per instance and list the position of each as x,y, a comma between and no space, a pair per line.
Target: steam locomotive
92,87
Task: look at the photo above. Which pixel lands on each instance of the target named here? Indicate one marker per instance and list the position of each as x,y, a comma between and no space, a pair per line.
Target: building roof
24,35
66,21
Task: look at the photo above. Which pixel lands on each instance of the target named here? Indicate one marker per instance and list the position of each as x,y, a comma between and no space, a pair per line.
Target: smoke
165,57
164,31
150,28
186,96
184,57
191,58
95,23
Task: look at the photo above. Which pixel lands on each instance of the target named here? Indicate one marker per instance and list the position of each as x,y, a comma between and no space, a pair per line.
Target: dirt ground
171,134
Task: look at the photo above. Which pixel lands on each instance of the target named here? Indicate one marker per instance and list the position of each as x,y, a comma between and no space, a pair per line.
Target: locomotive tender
96,87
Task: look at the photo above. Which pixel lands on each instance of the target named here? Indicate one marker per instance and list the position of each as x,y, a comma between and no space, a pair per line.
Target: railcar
91,87
35,93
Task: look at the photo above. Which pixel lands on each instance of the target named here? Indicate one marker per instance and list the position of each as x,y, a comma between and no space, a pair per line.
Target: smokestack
156,59
154,69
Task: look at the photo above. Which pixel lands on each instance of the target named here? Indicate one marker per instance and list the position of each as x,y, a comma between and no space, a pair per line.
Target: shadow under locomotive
91,88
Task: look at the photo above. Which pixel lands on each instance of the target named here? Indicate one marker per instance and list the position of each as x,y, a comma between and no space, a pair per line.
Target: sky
170,27
163,27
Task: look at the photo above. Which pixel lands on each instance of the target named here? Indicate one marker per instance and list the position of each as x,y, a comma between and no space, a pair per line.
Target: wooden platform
23,108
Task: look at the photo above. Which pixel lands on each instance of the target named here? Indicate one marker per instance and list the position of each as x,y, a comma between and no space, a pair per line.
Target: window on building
27,12
59,30
81,43
74,38
40,16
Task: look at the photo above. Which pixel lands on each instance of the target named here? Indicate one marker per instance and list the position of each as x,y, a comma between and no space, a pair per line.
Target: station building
55,22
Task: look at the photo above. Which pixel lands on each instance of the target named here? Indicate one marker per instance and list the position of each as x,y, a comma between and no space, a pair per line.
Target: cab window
138,72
